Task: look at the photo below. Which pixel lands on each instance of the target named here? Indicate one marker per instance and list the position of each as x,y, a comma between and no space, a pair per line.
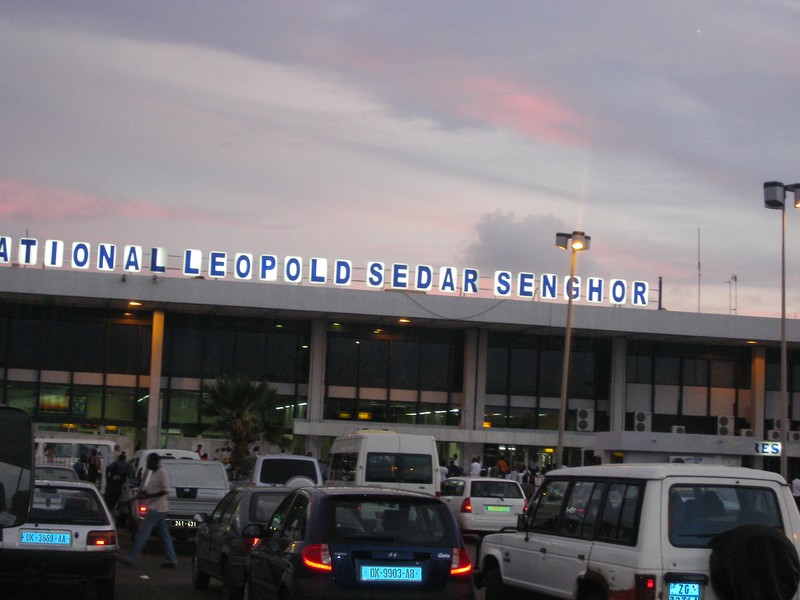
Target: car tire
230,591
754,561
495,588
200,579
104,589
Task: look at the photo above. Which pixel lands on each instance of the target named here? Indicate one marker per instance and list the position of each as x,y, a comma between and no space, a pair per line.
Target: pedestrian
154,493
475,467
527,486
502,466
199,449
80,467
796,490
115,475
94,473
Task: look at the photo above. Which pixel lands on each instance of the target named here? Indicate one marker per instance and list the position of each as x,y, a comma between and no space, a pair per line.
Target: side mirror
16,466
254,530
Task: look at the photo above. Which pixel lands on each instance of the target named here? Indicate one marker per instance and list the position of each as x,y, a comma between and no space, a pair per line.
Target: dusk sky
443,133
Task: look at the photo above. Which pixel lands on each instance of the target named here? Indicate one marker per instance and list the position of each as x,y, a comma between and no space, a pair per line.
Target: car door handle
543,550
581,557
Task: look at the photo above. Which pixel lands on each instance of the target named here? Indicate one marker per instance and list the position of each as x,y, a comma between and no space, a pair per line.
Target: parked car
136,473
667,531
197,487
293,470
483,504
69,536
55,473
358,543
220,546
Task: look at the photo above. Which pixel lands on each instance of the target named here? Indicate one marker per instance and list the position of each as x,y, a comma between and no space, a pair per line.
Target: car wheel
495,588
230,591
104,589
200,579
754,561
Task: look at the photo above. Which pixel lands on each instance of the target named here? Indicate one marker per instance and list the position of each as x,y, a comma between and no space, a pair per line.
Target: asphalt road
145,581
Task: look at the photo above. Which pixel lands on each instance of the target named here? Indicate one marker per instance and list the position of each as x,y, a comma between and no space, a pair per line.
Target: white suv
645,532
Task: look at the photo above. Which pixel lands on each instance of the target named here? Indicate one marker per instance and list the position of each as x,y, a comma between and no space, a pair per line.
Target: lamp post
575,242
775,198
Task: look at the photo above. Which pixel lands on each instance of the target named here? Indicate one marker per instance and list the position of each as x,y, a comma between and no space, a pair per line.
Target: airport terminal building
91,349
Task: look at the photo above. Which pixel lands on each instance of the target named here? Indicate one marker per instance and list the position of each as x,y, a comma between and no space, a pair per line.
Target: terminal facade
90,351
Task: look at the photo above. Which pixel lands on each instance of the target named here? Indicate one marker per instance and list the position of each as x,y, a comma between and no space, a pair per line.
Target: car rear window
398,467
277,471
698,513
196,474
495,489
390,521
64,505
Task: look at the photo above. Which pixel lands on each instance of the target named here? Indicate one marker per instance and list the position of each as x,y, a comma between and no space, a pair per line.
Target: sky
458,133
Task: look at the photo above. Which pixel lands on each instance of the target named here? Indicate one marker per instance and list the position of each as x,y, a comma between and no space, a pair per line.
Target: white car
69,536
483,504
649,531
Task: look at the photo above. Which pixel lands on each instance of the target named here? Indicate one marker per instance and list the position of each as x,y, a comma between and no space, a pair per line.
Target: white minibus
384,458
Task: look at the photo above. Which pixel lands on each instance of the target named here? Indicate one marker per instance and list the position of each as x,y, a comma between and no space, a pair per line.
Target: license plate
684,591
46,538
387,573
183,523
502,509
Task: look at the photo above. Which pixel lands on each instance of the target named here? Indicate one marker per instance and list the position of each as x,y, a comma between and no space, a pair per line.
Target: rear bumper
57,566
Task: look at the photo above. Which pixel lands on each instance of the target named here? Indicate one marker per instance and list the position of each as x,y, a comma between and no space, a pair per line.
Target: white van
137,467
383,458
66,450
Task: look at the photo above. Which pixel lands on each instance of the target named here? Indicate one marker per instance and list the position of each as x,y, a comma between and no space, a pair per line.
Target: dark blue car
348,543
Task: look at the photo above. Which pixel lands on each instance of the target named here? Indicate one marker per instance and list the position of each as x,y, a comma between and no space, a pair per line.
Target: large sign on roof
319,271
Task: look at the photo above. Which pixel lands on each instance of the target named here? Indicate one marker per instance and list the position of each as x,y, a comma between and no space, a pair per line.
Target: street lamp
575,242
775,198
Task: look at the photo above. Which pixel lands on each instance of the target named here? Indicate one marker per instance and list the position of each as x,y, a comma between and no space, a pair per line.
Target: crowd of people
529,476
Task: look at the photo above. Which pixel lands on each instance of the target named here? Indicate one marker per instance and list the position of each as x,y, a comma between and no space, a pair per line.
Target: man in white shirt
796,490
475,467
154,493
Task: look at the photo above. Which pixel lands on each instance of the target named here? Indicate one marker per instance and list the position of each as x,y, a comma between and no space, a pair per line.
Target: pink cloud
28,201
506,104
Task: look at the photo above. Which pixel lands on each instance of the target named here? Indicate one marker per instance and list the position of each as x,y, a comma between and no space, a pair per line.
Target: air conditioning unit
725,425
746,432
794,436
642,421
683,459
774,435
585,419
678,429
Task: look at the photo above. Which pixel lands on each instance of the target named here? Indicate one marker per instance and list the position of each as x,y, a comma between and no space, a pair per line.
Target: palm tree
238,406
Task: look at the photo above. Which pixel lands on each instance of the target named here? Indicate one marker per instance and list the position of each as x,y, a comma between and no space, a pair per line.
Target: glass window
403,365
546,511
434,367
27,343
639,369
386,467
523,372
453,487
183,406
183,352
581,375
220,353
120,403
723,374
695,372
618,518
497,371
576,507
343,466
250,354
283,352
667,370
123,349
342,361
373,363
699,513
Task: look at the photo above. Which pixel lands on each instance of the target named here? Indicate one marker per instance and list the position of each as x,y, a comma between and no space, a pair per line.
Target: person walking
154,493
115,474
475,467
796,490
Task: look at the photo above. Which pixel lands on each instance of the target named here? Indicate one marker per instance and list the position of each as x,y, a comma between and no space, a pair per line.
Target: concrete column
316,382
154,405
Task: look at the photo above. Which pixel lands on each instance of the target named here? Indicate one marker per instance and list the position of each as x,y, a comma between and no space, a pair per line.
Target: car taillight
460,564
248,543
101,538
466,506
645,587
141,510
316,557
